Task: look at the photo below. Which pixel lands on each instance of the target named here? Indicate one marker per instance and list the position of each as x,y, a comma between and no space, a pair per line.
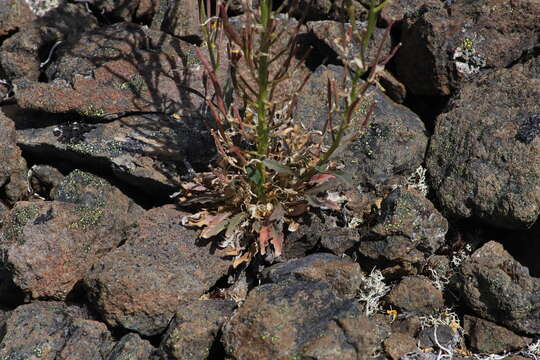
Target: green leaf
254,175
277,167
233,223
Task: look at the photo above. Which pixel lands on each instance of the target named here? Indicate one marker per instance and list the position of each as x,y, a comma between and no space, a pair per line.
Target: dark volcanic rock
13,169
52,331
195,328
328,9
132,347
140,285
417,295
49,246
497,288
409,229
328,32
478,165
390,149
14,15
299,319
21,54
44,179
440,51
150,152
399,344
115,70
344,275
487,337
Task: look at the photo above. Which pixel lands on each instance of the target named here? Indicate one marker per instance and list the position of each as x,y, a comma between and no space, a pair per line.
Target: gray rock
50,331
409,229
14,15
344,275
484,156
299,319
140,285
389,150
132,347
497,288
195,328
150,152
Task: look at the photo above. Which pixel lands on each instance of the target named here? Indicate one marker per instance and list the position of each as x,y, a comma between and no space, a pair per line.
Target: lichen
18,219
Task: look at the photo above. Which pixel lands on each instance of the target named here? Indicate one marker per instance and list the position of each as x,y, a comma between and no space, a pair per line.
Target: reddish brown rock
14,15
302,319
13,169
195,328
132,347
487,337
140,285
417,295
399,344
50,246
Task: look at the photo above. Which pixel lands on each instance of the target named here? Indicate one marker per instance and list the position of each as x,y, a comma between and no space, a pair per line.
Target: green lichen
135,84
92,111
19,218
88,218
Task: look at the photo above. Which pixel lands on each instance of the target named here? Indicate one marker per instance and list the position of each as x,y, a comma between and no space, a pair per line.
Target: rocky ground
99,125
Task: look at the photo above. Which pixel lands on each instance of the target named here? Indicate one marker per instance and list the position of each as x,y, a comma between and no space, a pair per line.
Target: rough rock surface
458,41
139,285
417,295
151,152
53,331
49,246
343,275
487,337
302,319
20,54
497,288
13,169
118,69
132,347
14,15
484,156
195,328
399,344
409,229
389,150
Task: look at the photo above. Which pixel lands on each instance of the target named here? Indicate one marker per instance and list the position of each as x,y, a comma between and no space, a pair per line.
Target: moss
19,218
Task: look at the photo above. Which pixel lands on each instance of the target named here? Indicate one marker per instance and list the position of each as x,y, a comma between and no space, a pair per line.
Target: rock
328,9
497,288
118,69
388,151
328,32
483,158
487,337
42,7
132,347
50,331
20,54
181,20
417,295
140,285
398,9
338,240
49,246
44,179
438,336
119,9
299,319
344,275
150,152
399,344
14,15
409,229
13,169
194,329
441,52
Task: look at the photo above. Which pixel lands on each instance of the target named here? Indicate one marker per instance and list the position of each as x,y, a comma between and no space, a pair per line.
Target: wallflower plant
271,167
